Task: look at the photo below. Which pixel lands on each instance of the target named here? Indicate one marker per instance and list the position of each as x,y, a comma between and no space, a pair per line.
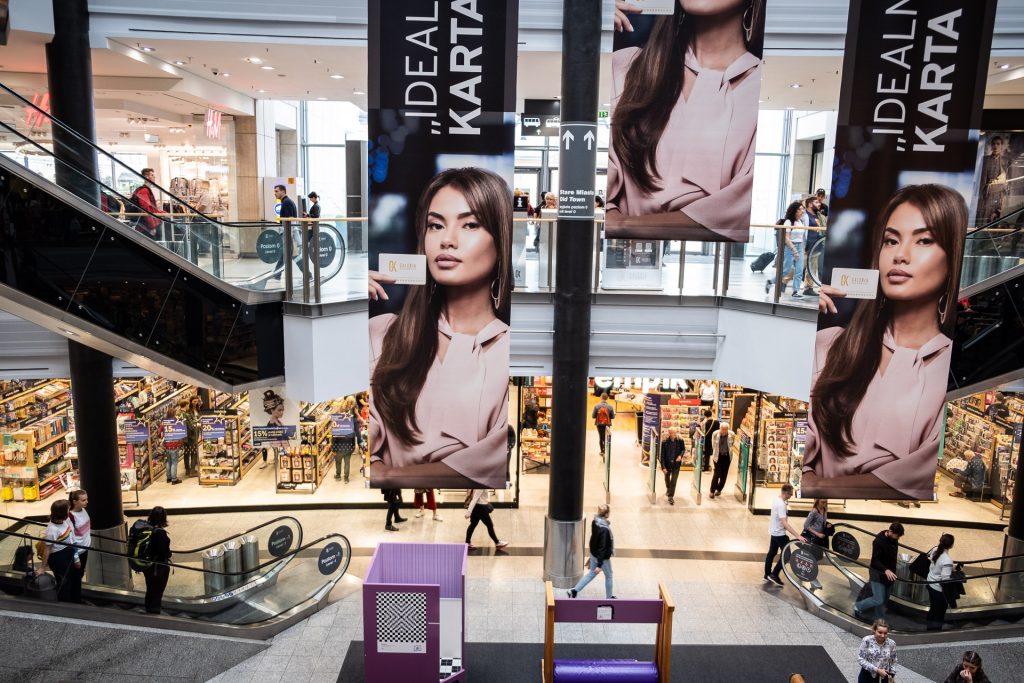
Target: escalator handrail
872,534
288,555
81,138
988,559
800,543
192,551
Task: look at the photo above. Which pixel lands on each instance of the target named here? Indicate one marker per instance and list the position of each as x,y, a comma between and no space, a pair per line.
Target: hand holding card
404,269
856,283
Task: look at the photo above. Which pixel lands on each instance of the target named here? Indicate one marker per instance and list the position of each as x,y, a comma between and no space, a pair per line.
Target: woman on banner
681,158
879,383
439,369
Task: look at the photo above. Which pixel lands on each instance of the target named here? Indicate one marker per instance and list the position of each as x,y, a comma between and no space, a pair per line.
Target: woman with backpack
940,569
57,552
158,553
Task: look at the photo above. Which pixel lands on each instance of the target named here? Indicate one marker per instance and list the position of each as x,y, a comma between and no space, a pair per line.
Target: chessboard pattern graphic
450,667
401,617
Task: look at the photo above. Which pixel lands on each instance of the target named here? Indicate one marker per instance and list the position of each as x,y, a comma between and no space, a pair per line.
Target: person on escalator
288,210
940,569
145,204
158,554
882,570
57,552
78,500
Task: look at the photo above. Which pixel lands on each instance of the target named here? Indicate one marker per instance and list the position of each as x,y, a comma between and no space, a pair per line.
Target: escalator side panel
988,348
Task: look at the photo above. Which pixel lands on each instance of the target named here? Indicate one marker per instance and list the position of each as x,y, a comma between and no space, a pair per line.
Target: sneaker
438,518
671,501
391,527
573,593
419,513
776,580
798,295
501,544
337,479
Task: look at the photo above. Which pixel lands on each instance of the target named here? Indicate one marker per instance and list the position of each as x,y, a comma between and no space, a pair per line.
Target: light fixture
146,48
267,67
322,99
558,97
225,74
337,76
358,92
1004,67
795,85
254,60
178,62
261,90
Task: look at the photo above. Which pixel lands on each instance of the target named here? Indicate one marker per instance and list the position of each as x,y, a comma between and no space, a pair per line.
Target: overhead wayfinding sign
577,166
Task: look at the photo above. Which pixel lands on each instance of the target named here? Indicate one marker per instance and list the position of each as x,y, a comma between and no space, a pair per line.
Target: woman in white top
479,510
82,524
940,569
59,553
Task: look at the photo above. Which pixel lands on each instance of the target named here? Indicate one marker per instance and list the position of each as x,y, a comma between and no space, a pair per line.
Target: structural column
69,67
564,527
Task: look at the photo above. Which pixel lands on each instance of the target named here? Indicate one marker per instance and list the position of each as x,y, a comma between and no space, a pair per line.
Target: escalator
180,304
992,603
988,348
254,584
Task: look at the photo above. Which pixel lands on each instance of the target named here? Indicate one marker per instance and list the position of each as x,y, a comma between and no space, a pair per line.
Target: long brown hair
653,85
410,344
855,355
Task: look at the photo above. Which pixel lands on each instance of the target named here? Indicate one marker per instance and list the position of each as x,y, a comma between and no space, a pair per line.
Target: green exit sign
602,114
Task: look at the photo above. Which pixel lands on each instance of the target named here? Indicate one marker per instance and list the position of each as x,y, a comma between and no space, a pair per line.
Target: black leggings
937,606
69,579
479,514
156,581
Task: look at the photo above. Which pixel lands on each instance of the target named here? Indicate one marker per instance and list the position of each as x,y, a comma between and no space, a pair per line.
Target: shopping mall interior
165,344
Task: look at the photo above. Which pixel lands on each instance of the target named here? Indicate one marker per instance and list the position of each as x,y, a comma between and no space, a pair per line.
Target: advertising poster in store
906,147
1000,188
278,425
173,429
135,431
683,127
441,157
212,427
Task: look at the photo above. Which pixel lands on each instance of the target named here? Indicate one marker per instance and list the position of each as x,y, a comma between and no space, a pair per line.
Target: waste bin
232,563
914,592
213,561
250,555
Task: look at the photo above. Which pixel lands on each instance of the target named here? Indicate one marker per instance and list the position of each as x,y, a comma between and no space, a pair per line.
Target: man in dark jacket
672,450
710,428
882,570
602,547
288,210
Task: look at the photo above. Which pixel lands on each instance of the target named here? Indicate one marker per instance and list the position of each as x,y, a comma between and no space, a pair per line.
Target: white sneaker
438,518
500,544
419,513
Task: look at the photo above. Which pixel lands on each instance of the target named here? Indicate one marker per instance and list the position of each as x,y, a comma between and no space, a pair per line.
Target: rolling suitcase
762,262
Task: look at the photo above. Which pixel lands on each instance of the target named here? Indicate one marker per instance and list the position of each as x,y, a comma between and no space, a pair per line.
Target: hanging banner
278,424
906,145
683,127
441,158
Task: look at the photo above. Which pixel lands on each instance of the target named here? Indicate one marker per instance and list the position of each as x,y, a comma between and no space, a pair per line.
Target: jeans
721,474
794,262
172,464
671,476
606,568
937,606
778,543
602,431
875,605
338,458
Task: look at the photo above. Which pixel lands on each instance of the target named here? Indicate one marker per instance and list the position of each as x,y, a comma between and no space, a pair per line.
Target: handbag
865,591
921,565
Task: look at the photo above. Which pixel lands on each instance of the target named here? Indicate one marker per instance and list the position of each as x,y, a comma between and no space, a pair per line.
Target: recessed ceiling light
225,74
337,76
178,62
358,92
795,85
607,104
558,97
261,90
146,48
322,99
1004,66
267,67
254,60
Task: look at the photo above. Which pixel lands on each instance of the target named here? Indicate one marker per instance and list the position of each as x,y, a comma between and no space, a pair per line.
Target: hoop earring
748,23
495,297
943,301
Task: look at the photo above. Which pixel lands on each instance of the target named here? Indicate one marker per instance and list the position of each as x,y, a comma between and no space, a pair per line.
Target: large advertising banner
906,144
441,143
686,76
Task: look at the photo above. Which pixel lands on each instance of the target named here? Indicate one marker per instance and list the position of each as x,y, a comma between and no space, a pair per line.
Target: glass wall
325,127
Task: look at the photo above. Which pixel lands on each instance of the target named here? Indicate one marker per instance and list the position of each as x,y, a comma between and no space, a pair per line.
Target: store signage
281,540
441,124
905,156
330,559
540,118
270,246
212,427
577,166
136,431
34,118
271,435
174,429
846,545
213,123
804,564
343,425
684,172
327,250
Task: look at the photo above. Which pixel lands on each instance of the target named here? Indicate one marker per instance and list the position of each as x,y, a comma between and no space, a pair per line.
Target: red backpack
604,417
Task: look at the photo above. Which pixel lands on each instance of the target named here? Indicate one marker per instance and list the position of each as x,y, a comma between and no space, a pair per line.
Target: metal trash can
914,592
232,563
213,561
250,555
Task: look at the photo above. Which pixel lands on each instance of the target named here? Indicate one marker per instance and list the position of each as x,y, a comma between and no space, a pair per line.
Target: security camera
216,71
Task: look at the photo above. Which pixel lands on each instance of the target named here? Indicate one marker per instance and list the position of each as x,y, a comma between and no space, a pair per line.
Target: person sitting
971,479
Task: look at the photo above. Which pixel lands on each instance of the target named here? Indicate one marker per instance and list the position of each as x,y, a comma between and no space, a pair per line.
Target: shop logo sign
213,120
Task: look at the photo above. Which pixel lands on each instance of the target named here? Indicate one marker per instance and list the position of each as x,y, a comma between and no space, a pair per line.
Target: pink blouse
706,153
462,410
896,429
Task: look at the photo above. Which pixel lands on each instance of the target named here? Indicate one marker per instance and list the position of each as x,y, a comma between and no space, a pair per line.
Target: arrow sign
577,166
568,137
589,137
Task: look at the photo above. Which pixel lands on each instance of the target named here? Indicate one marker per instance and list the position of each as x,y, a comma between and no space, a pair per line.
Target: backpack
604,417
139,537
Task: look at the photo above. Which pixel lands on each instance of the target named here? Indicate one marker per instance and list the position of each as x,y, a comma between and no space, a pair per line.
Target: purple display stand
414,613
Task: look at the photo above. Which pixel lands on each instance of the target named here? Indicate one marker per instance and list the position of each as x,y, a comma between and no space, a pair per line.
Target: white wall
326,357
768,353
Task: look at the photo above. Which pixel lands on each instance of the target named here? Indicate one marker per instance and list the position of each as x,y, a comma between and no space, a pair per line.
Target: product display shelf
726,392
319,437
249,454
535,444
153,414
966,429
224,460
38,401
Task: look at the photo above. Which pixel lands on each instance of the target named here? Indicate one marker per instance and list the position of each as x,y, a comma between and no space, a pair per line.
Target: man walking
708,431
672,450
722,458
288,210
778,526
882,572
602,416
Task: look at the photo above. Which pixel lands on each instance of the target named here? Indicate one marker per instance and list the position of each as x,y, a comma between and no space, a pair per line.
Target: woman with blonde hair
450,340
815,529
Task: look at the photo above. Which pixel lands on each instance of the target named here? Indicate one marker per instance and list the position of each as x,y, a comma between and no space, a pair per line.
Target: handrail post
682,265
725,268
780,259
315,248
289,250
304,250
714,279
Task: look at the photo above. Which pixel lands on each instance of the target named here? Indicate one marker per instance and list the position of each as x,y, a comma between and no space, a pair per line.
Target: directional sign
577,166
